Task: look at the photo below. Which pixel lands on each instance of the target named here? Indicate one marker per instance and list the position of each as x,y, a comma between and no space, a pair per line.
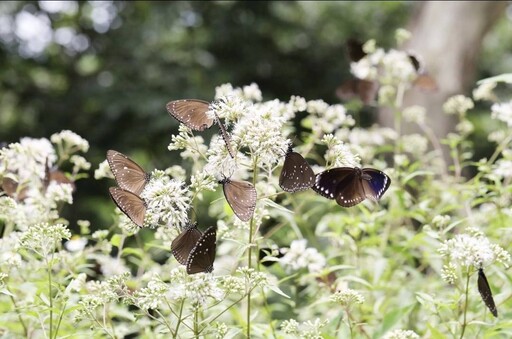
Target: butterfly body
191,113
241,196
183,244
486,293
131,204
129,175
202,255
296,174
350,186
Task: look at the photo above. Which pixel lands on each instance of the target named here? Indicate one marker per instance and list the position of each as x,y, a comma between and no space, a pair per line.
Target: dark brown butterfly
350,186
225,136
129,175
296,174
183,244
202,256
423,80
241,196
191,113
365,90
12,189
132,205
55,175
486,293
355,49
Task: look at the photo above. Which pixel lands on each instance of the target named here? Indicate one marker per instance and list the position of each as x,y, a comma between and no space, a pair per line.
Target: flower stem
179,318
464,324
249,253
50,298
25,331
196,322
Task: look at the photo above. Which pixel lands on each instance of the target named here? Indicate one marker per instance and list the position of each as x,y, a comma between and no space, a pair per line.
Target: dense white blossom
503,112
300,256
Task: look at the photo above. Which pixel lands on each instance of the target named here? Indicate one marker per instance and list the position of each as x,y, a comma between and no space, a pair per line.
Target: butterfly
131,204
296,174
202,256
183,244
55,175
423,79
486,293
365,90
129,176
241,196
11,188
192,113
355,49
350,186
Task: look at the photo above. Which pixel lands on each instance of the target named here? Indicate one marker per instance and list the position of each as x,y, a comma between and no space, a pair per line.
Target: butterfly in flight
129,175
486,293
296,174
131,204
365,90
350,186
241,196
192,113
183,244
202,255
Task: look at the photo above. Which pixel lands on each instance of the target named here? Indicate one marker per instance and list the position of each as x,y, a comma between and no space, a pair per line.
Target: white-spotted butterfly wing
202,256
191,113
296,174
241,196
183,244
130,204
129,175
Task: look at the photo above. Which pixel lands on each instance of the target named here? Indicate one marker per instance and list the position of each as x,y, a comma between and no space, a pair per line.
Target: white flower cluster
43,238
502,112
70,141
458,104
338,153
307,329
347,297
474,249
401,334
300,256
167,200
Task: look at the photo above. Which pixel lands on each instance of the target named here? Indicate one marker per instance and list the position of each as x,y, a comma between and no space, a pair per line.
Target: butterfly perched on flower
486,293
183,244
193,114
241,197
202,255
129,175
296,174
130,204
349,186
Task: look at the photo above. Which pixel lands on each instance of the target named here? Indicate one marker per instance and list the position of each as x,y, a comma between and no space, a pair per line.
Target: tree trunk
447,35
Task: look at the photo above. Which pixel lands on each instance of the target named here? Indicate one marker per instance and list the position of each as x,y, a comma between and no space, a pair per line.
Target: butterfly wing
365,90
202,256
131,205
191,112
326,183
241,196
296,174
183,244
486,293
129,175
355,49
375,183
226,137
425,82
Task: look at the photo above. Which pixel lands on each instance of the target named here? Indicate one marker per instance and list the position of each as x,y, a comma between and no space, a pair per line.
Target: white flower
76,244
458,104
402,35
503,168
193,146
299,256
503,112
227,90
103,171
338,154
396,68
252,92
484,91
415,114
110,266
347,297
467,250
415,144
44,238
79,163
167,200
59,192
70,141
230,108
401,334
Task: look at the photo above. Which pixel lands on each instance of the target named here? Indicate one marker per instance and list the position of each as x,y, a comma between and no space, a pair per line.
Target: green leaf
507,77
116,240
132,251
6,292
278,291
391,319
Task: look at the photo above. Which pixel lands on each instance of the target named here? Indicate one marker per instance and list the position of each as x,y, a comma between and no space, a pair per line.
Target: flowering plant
301,266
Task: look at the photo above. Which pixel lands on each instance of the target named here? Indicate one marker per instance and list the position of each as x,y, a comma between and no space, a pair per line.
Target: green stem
464,324
196,323
25,331
179,317
249,252
60,319
51,298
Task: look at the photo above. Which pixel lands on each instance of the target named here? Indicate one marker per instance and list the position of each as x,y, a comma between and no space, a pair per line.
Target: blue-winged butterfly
349,186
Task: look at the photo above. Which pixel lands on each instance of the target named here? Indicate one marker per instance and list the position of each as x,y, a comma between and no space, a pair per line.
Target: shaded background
105,70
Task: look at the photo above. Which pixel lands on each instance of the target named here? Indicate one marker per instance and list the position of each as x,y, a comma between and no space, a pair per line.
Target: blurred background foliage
105,70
